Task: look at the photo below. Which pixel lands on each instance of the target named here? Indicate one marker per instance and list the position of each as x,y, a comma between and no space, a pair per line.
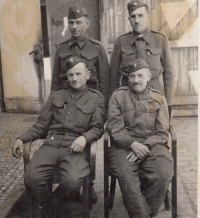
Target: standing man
71,119
151,46
138,123
80,45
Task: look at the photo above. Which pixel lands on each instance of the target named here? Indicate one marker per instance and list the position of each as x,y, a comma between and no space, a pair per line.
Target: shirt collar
77,93
145,36
138,95
81,42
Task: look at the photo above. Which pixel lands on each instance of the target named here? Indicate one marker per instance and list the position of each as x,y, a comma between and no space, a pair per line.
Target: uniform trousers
158,171
71,168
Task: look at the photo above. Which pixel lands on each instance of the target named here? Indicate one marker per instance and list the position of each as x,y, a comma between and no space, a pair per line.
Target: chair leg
174,195
174,182
167,201
112,191
106,195
106,169
86,213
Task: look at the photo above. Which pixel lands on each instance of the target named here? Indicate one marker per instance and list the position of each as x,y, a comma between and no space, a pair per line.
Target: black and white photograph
99,108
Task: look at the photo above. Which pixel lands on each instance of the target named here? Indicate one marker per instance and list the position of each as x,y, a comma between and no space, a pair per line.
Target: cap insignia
135,65
71,60
135,3
77,11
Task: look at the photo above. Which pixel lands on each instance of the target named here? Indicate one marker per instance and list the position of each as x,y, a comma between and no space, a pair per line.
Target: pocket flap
65,55
152,107
89,55
128,107
86,109
128,51
58,103
154,51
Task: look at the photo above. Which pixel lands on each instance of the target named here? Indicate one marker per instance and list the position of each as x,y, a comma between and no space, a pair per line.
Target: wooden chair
109,196
31,147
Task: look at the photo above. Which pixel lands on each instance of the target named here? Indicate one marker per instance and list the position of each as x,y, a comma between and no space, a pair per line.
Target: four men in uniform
138,115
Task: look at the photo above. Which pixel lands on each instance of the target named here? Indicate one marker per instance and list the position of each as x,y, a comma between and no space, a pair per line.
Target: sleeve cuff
150,143
88,137
20,139
125,142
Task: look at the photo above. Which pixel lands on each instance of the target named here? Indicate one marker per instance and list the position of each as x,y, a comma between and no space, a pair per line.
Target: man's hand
78,145
133,158
17,149
140,150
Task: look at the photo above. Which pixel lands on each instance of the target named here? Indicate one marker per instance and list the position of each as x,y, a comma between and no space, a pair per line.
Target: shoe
92,197
37,212
55,207
63,211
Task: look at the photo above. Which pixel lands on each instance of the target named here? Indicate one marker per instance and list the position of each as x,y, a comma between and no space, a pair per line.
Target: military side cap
70,63
135,4
137,65
76,11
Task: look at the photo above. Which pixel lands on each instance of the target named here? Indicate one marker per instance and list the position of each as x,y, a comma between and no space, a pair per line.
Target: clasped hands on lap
139,152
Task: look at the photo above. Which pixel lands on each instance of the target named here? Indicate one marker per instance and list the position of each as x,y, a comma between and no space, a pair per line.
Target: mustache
137,84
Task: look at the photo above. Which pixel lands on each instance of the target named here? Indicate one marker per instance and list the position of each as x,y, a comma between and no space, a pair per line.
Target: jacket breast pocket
128,55
91,58
153,56
128,114
150,115
84,115
63,59
58,110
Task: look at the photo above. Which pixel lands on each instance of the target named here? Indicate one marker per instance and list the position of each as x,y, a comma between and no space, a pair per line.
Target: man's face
139,20
78,76
79,26
138,79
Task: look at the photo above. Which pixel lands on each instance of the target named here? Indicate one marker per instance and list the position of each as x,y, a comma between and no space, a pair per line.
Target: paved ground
11,169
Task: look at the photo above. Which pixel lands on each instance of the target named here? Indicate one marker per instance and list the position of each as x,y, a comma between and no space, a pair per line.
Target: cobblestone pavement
11,169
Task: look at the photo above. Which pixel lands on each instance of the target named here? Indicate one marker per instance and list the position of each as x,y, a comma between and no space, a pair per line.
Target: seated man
138,122
71,119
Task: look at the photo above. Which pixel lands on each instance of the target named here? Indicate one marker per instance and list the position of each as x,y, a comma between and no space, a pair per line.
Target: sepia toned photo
99,108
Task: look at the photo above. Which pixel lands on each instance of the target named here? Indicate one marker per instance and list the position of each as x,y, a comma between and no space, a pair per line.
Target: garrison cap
76,11
70,63
135,4
137,65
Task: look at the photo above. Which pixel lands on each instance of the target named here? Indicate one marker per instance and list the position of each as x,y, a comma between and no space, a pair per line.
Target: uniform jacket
90,50
141,117
74,112
154,48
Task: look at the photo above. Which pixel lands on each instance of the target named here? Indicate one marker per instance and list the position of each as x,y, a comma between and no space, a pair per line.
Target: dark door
57,10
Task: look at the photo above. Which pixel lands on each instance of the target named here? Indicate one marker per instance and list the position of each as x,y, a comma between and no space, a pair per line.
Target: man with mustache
80,45
71,119
138,122
151,46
